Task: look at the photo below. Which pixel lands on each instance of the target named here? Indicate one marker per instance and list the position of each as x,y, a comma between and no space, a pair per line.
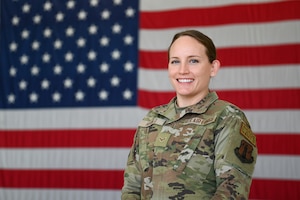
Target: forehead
187,44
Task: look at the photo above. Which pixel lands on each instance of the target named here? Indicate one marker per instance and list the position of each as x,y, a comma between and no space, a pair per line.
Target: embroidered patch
162,139
248,134
244,152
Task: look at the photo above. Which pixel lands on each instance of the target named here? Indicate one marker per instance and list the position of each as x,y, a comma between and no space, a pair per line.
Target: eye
193,61
174,61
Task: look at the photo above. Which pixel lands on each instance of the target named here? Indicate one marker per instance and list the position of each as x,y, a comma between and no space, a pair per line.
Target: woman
196,146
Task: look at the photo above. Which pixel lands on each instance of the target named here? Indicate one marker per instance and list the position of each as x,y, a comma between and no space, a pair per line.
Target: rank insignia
162,139
244,152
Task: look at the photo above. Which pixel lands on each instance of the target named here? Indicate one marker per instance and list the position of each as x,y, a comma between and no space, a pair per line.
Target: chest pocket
197,153
145,147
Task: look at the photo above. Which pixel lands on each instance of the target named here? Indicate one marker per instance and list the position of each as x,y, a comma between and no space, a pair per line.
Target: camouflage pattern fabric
204,151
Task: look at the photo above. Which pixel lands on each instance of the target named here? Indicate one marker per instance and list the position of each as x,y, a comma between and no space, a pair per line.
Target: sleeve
236,154
132,176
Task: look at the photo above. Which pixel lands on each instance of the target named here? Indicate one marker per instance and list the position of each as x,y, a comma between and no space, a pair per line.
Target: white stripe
268,166
111,117
157,5
64,158
262,121
277,167
286,76
59,194
274,121
254,34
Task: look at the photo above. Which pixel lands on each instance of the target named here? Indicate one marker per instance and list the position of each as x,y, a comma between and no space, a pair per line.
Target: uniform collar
169,110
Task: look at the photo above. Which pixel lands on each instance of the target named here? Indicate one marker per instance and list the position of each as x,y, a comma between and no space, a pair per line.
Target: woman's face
189,69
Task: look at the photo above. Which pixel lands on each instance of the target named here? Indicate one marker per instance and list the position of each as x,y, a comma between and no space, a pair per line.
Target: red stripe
243,13
263,99
275,189
90,179
245,99
279,144
267,143
65,138
83,179
238,56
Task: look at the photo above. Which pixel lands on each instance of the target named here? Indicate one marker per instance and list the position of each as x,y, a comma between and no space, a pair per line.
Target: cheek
204,72
171,72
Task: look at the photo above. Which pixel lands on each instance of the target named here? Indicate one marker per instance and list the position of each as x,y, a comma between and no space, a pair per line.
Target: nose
184,68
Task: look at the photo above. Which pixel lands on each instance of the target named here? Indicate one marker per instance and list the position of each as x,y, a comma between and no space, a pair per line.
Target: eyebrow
191,56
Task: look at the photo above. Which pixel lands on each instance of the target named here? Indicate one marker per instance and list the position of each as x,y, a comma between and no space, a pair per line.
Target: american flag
76,77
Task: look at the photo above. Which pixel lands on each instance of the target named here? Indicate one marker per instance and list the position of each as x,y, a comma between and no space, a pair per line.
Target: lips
185,80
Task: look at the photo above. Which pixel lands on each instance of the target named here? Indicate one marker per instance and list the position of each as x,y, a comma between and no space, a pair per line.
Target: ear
215,68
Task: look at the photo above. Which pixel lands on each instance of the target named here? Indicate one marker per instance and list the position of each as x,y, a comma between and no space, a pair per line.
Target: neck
184,101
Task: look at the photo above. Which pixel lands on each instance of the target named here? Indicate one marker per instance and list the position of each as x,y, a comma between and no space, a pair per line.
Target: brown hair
201,38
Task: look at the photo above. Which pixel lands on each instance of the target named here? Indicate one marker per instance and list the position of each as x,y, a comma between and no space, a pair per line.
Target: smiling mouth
185,80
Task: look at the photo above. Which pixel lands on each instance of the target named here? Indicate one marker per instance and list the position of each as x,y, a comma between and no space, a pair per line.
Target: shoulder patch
248,134
244,152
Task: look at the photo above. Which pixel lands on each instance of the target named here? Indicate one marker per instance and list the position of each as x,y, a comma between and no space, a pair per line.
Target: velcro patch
248,134
244,152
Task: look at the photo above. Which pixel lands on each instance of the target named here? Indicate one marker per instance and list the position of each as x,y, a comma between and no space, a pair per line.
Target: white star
80,68
115,54
92,55
46,57
70,31
81,42
37,19
11,98
105,14
56,96
24,59
12,71
57,69
91,82
47,6
93,29
127,94
47,32
104,67
33,97
26,8
93,3
45,84
69,56
13,46
117,2
57,44
116,28
104,41
59,17
15,20
103,95
68,83
79,95
22,85
35,70
82,15
115,81
70,4
129,12
25,34
35,45
128,66
128,39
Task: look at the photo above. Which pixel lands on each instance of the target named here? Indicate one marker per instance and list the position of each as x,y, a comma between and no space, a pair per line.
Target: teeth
185,80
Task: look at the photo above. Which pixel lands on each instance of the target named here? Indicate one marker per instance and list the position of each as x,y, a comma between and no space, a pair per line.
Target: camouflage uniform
204,151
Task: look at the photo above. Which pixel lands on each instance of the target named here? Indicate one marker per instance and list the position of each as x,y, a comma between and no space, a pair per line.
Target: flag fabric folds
76,77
